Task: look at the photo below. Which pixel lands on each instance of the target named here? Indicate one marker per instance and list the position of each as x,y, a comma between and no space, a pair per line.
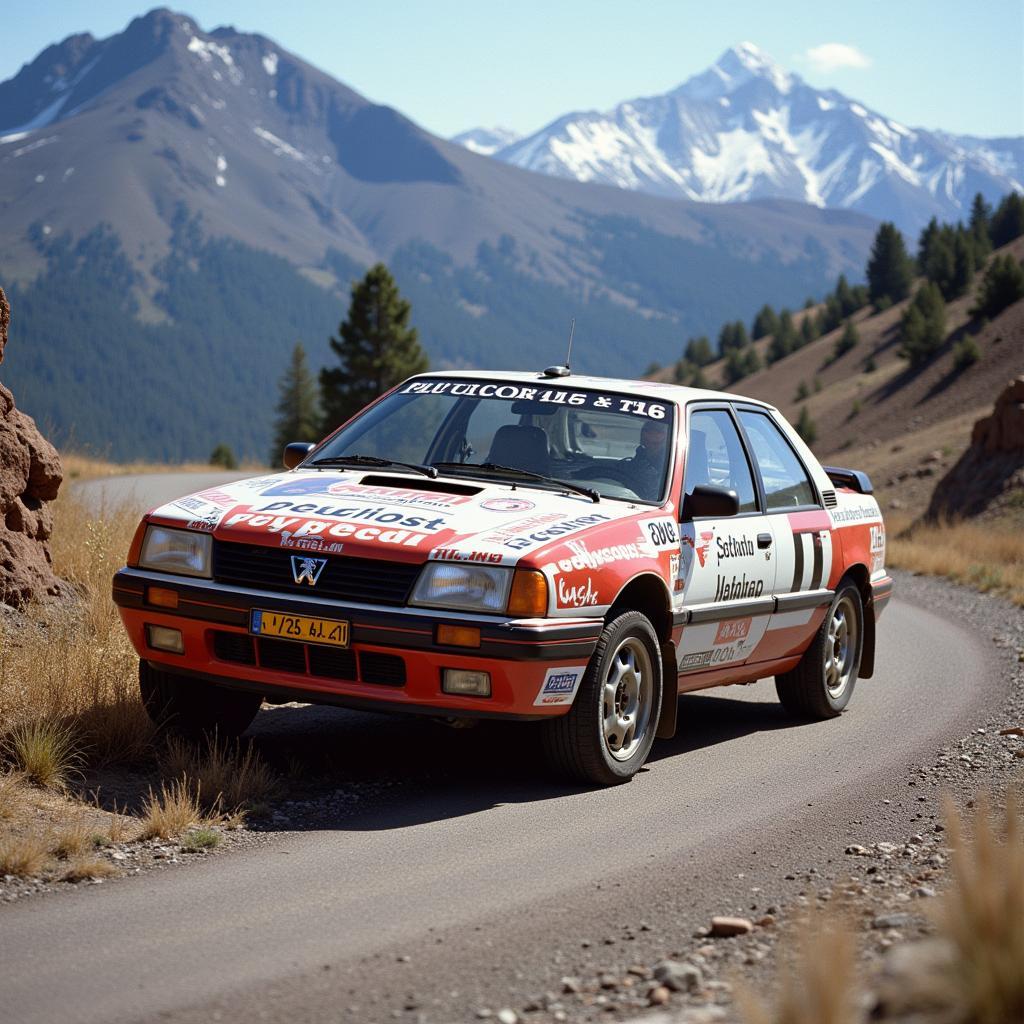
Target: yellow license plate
299,627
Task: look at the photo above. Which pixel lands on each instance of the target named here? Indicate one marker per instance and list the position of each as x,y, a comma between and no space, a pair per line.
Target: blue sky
454,64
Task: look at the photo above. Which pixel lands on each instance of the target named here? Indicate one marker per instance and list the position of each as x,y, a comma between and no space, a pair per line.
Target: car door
726,577
801,533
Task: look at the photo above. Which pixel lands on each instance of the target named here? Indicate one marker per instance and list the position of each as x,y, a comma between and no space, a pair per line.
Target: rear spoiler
852,478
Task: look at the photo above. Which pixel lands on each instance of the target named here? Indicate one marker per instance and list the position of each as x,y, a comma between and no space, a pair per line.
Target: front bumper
394,659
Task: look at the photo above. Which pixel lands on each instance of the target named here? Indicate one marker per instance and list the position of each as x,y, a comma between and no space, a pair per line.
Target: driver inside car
647,466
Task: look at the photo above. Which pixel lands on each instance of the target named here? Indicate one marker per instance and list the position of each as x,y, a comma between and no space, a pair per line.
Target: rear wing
852,478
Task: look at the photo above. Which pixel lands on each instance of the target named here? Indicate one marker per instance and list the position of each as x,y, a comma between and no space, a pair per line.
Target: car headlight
176,551
476,588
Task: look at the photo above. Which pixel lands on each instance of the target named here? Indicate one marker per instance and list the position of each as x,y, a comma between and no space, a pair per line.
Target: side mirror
709,500
295,452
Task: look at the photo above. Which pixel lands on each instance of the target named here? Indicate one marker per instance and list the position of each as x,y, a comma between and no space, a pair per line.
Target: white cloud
834,56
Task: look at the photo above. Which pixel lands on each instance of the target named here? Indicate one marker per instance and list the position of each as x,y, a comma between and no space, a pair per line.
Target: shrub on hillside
223,456
1002,285
806,427
965,353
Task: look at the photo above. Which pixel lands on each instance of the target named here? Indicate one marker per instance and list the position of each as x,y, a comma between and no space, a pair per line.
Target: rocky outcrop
990,474
30,476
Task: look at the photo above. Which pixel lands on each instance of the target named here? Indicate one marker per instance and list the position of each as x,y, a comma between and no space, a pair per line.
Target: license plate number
305,628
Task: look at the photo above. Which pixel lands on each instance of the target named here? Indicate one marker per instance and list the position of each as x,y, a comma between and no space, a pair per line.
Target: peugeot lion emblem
307,570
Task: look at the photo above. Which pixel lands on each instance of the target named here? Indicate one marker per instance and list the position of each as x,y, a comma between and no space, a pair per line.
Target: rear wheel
822,684
608,732
193,708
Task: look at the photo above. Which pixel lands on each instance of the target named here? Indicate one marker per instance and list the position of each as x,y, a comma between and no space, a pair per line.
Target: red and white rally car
571,549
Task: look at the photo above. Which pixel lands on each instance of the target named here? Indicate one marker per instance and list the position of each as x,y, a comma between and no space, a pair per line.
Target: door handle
764,540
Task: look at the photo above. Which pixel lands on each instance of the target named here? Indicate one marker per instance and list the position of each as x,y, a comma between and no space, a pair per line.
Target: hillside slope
904,427
207,155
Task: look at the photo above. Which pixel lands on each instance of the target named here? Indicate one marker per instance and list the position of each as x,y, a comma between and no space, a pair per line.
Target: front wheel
608,732
192,708
822,684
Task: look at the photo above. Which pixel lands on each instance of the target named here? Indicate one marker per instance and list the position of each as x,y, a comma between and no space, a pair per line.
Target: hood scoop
404,483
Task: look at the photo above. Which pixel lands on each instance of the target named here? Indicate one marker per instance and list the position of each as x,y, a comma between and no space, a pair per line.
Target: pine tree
846,341
980,228
923,327
806,427
846,297
808,329
963,265
765,323
1008,220
298,412
926,244
735,366
699,351
1002,285
889,268
784,340
751,360
377,348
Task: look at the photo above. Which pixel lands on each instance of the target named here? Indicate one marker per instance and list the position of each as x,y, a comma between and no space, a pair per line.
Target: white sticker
660,533
560,686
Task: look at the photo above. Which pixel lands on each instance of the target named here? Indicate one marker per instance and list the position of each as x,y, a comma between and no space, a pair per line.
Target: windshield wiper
493,467
372,460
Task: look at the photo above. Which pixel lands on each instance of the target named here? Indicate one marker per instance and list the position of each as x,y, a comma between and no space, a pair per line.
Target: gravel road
463,879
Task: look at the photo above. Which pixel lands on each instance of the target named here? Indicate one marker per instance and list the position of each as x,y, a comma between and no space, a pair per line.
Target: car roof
645,388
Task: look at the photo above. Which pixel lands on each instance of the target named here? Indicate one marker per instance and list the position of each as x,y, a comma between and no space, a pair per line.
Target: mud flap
669,692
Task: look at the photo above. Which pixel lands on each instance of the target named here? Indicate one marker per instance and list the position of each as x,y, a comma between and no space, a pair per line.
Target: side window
714,455
786,484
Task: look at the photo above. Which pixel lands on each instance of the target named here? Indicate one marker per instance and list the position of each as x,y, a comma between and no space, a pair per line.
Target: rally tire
822,684
193,708
621,686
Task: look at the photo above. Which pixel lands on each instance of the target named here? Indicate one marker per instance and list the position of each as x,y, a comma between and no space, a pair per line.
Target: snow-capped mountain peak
746,129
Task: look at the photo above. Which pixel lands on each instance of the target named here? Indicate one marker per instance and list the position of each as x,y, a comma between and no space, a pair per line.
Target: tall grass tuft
175,808
22,856
230,777
983,915
44,751
819,986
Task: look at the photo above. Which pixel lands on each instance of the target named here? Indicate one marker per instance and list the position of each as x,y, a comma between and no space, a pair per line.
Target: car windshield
614,444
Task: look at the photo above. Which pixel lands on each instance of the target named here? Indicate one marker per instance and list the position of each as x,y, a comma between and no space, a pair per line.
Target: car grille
310,659
366,580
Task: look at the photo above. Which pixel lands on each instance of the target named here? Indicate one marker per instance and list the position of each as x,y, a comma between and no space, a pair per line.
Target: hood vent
406,483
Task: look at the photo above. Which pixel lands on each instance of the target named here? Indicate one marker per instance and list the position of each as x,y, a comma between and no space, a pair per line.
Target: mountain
178,206
747,129
486,141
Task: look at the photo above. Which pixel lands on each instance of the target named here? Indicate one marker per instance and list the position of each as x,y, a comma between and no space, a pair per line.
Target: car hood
392,516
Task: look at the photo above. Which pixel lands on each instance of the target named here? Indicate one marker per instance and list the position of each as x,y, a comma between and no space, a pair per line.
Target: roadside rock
30,477
727,927
993,464
678,977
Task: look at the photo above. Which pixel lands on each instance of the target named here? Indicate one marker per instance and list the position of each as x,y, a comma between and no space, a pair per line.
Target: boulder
992,468
30,477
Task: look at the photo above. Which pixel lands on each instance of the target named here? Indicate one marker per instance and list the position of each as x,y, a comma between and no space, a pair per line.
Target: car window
786,484
715,456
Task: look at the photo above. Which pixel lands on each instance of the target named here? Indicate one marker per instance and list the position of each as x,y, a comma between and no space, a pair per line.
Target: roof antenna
563,371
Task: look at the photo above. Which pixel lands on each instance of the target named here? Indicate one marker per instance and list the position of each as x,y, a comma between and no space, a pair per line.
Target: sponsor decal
559,686
732,630
554,531
369,514
217,497
855,513
583,558
731,589
310,544
680,586
673,566
580,595
454,555
699,659
293,529
734,547
704,547
507,505
306,569
553,396
661,533
718,656
207,525
877,547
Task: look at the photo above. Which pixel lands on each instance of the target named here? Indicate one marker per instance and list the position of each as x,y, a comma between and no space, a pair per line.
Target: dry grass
983,916
10,794
175,808
73,666
23,856
87,869
74,838
200,839
230,777
987,556
81,466
819,986
43,750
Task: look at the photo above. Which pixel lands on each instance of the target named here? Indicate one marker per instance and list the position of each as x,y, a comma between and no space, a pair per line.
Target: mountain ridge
746,128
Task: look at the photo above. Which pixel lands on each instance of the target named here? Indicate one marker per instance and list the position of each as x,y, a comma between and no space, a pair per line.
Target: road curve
476,866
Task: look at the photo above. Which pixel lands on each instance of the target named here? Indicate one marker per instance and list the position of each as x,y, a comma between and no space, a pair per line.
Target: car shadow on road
355,771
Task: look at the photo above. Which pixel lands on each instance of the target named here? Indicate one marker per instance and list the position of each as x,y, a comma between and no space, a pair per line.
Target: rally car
537,546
